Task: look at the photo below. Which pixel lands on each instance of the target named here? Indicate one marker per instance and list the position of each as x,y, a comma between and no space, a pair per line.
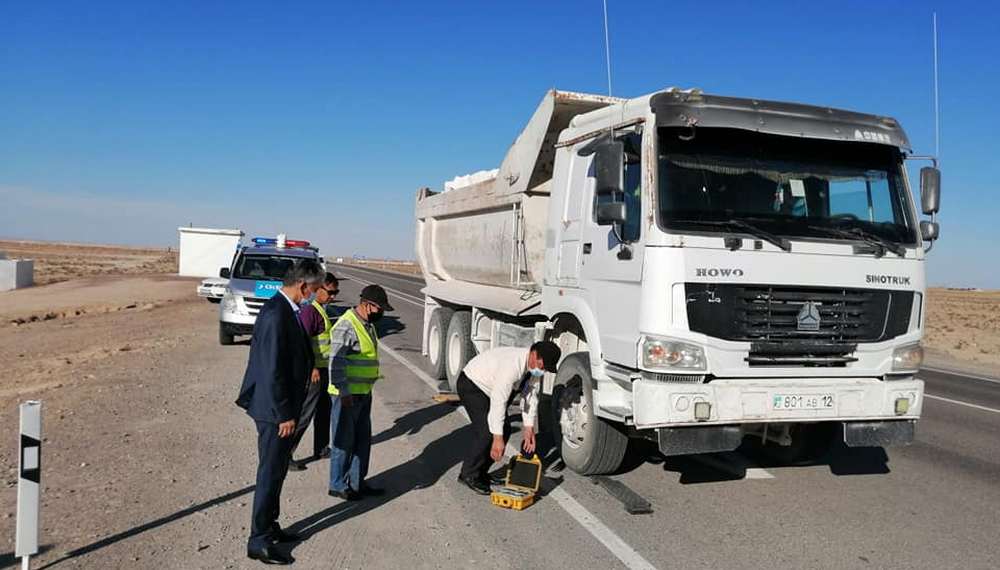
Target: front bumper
737,401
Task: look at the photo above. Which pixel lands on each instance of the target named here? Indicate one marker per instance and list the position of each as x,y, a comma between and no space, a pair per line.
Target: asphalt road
933,504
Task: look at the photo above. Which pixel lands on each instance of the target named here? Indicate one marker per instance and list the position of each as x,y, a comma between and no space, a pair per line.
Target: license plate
802,402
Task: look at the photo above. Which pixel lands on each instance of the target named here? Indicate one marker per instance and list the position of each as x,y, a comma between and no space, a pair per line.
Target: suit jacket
281,360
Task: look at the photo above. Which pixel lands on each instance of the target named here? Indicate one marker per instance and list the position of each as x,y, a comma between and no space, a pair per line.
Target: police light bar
273,241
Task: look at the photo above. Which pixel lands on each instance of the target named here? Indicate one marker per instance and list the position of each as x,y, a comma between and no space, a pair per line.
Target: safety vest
321,342
362,368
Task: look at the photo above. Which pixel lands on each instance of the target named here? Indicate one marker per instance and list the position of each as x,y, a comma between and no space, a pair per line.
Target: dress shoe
371,491
269,555
285,536
325,454
346,494
476,485
296,465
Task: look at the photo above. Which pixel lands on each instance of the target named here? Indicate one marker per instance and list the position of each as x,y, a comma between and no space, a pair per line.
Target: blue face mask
308,300
536,372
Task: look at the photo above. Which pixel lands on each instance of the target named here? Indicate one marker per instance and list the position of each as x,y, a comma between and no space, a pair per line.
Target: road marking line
961,374
961,403
758,473
402,296
739,467
406,277
625,553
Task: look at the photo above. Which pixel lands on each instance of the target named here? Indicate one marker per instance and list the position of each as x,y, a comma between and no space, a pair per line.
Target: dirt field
55,262
963,330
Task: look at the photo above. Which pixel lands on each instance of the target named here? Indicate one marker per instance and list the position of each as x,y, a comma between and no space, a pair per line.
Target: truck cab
254,277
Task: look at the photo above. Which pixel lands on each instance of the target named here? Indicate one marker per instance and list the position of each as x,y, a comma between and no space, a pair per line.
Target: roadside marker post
29,482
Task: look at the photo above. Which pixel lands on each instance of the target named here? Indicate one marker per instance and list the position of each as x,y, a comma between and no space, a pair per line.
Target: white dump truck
713,268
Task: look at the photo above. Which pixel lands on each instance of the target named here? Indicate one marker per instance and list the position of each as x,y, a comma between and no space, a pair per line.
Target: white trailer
712,268
203,251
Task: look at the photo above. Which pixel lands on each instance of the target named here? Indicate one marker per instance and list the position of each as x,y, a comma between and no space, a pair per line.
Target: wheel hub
573,415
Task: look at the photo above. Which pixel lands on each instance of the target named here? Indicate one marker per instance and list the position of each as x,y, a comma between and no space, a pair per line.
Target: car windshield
783,185
263,267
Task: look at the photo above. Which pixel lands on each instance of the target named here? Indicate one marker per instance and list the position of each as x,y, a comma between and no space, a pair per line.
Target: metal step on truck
713,268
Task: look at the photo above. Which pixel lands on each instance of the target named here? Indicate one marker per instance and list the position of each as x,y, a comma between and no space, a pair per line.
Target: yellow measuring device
524,475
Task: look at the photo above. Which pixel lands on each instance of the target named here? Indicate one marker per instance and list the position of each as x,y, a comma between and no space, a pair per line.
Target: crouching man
486,387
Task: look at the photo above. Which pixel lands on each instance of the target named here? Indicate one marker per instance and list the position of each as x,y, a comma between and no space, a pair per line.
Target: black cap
376,295
549,352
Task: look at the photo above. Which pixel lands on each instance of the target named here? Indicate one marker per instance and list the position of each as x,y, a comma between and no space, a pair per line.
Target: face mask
536,372
374,317
308,300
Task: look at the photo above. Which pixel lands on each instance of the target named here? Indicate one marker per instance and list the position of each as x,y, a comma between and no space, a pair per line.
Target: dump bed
483,244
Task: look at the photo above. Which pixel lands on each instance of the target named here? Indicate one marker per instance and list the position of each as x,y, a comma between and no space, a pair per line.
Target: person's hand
528,445
346,400
315,375
286,429
496,451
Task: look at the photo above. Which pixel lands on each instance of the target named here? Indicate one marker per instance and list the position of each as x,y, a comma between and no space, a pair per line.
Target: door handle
586,248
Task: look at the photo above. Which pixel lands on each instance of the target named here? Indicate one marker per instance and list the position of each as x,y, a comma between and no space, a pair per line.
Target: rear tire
437,342
225,337
458,348
590,445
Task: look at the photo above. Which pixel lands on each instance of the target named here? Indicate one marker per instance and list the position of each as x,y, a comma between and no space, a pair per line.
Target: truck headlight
229,304
907,358
657,353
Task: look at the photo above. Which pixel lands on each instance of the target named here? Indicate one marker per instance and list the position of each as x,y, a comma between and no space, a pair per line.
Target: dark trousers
315,409
352,442
272,466
477,404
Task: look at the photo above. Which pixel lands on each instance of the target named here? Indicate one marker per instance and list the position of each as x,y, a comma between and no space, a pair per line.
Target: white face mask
536,372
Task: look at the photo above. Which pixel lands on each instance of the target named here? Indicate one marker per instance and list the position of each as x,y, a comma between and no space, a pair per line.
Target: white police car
255,277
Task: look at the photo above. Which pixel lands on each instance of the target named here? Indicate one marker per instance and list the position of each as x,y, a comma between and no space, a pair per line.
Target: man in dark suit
274,387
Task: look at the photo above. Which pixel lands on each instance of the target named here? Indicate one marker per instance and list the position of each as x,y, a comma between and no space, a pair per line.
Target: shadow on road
436,459
149,526
8,559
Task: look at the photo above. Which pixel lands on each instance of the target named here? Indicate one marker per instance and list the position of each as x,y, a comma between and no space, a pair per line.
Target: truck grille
254,304
798,324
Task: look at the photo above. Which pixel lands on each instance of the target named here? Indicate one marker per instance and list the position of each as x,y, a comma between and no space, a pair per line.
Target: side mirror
929,231
609,160
610,213
224,273
930,190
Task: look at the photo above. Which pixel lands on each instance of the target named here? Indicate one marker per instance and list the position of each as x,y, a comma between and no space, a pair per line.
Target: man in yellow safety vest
316,321
354,368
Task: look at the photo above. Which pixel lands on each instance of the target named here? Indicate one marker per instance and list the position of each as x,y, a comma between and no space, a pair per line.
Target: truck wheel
437,342
459,349
590,445
225,337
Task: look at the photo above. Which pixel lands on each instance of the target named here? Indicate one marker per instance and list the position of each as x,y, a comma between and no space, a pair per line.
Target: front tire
225,337
459,349
437,342
590,445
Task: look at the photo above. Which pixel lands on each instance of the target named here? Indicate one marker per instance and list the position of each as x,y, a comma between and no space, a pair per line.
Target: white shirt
498,373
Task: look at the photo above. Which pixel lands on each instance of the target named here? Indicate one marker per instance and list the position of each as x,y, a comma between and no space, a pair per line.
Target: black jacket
280,363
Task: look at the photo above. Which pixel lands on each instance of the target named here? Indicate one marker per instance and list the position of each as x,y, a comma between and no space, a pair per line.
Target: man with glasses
354,368
316,409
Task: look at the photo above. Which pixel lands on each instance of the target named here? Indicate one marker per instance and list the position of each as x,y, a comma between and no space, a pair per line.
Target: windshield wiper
880,243
751,229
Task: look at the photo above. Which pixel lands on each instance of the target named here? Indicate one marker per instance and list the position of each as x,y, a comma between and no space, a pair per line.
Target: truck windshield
783,185
263,267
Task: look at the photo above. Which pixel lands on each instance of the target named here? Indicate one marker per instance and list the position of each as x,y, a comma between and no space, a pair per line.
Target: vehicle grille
254,304
767,314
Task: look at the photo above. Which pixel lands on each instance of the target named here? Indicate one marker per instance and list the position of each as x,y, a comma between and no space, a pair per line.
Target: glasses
332,292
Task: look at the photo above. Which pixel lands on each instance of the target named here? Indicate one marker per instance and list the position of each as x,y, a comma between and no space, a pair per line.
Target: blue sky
121,121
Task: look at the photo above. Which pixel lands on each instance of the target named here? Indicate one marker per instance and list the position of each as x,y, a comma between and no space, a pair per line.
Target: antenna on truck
937,111
607,46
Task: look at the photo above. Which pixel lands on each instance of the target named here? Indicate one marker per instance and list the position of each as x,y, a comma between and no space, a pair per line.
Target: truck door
574,208
612,255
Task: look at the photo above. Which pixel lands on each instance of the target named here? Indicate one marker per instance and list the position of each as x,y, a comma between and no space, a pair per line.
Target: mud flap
707,439
879,434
